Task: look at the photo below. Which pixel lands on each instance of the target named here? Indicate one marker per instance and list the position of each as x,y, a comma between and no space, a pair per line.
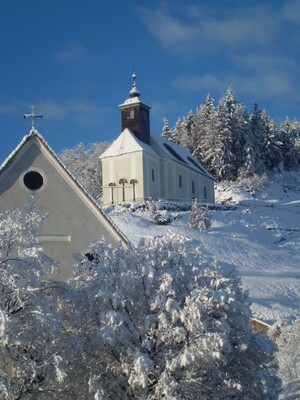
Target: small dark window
33,180
193,187
205,192
180,180
153,175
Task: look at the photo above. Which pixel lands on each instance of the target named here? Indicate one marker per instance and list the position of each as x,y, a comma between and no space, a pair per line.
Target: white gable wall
125,166
72,222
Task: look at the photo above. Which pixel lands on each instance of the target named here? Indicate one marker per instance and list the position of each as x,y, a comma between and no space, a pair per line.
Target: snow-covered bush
288,341
194,217
200,217
30,328
163,322
252,183
160,217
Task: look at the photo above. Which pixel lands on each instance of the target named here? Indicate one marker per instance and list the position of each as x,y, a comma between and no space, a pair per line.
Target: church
135,168
138,166
74,219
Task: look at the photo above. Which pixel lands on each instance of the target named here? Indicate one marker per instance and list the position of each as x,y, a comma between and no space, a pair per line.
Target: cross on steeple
33,116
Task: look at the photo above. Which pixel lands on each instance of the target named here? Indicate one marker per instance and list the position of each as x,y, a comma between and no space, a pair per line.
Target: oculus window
33,180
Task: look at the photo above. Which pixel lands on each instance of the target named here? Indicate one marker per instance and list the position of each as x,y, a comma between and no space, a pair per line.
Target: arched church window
122,182
112,185
133,182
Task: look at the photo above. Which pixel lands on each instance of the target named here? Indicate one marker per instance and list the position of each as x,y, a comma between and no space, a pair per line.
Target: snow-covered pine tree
270,146
225,121
206,136
187,139
179,132
194,219
167,131
289,132
163,322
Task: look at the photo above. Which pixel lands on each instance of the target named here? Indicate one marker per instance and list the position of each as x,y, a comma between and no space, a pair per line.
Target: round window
33,180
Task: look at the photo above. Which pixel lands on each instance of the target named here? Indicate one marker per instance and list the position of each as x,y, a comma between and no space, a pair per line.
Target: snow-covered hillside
259,235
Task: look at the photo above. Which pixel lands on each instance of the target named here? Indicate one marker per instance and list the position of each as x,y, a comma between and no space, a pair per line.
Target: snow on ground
259,235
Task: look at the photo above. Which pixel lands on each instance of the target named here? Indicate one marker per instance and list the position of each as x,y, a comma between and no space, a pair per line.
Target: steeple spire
134,91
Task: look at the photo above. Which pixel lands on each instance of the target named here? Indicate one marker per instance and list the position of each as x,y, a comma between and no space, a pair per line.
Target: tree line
232,143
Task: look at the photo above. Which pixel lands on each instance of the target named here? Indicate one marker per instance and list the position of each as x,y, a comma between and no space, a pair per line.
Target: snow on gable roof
126,143
34,133
180,154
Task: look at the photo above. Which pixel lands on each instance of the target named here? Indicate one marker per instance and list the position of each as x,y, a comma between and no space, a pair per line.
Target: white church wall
71,224
152,176
128,167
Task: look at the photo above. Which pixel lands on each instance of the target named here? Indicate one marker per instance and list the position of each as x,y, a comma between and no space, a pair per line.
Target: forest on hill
233,143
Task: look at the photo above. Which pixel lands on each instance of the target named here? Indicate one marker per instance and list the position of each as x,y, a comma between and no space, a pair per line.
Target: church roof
35,135
180,154
126,143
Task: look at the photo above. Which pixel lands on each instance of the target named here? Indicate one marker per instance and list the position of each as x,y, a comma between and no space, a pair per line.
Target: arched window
133,183
112,185
122,182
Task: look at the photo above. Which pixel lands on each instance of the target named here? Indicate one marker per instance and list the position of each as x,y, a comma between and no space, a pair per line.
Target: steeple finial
134,91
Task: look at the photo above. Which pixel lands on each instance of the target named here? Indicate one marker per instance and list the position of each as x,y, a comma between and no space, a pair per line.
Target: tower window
131,114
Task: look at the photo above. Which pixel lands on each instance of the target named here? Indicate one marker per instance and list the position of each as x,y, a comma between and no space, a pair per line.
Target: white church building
138,166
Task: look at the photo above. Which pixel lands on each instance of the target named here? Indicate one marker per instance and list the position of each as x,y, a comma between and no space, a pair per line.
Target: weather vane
33,116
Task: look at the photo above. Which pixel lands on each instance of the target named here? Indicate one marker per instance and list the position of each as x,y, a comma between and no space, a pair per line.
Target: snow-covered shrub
252,183
205,218
288,341
163,322
200,217
30,330
194,216
160,217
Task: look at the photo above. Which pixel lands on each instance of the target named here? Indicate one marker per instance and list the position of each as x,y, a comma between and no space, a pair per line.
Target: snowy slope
260,236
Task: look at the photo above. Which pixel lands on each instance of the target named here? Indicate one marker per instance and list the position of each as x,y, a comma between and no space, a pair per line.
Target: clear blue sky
73,60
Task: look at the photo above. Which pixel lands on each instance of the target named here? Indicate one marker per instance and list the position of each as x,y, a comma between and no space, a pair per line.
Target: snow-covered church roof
127,143
180,154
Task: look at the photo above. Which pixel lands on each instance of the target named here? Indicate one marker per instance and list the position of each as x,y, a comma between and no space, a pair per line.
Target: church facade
74,219
138,166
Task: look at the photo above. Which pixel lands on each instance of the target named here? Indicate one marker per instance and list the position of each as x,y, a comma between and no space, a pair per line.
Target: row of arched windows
123,182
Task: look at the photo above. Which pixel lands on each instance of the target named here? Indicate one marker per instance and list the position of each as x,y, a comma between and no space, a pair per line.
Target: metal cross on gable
33,115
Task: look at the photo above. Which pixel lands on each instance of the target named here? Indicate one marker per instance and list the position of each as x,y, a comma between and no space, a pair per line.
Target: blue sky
73,60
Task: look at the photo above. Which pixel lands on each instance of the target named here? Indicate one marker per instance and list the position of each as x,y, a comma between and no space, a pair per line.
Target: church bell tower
135,114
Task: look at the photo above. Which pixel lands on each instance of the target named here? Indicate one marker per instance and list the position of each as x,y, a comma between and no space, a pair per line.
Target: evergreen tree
187,139
225,112
167,131
270,146
290,137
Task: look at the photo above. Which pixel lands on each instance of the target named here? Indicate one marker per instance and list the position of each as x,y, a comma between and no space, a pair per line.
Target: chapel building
138,166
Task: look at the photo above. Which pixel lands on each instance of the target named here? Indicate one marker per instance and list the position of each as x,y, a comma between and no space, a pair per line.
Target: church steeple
135,114
134,91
